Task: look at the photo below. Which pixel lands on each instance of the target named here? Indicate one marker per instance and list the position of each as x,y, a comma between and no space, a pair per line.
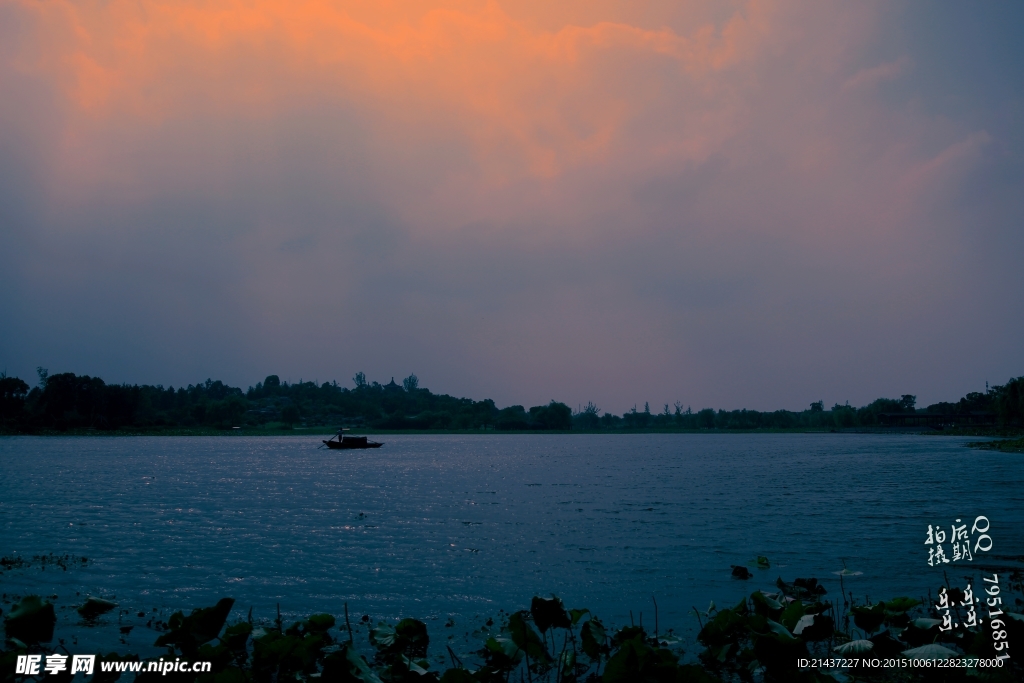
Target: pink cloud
889,71
537,189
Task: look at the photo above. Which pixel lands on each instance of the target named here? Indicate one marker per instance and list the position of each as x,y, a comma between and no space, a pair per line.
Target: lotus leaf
764,605
669,641
526,638
897,619
383,636
577,614
920,632
637,661
594,639
780,630
756,622
810,585
854,647
821,628
548,613
627,633
201,626
567,663
792,615
504,646
406,669
721,629
816,608
31,620
740,572
287,654
869,618
94,607
320,623
741,607
925,624
901,604
805,621
931,651
347,666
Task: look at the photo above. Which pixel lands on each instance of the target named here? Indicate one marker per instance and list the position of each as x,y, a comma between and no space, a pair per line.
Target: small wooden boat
341,441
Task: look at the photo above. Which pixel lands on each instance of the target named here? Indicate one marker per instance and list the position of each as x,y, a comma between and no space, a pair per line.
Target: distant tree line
66,401
1004,405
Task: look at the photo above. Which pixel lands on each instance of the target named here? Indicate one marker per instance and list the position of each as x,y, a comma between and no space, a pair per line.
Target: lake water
457,527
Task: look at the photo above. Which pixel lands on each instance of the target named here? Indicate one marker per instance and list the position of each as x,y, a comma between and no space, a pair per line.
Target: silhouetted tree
12,401
588,418
513,417
552,416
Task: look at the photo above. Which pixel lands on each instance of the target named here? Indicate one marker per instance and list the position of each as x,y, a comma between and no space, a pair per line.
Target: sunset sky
729,204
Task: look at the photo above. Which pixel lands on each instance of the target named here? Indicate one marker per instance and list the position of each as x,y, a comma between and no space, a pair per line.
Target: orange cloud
551,99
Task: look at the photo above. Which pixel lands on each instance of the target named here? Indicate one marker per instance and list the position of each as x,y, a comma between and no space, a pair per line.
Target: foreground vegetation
760,639
67,403
1004,445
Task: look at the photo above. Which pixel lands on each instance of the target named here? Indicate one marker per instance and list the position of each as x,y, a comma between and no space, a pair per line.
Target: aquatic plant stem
348,625
655,616
842,586
561,657
572,635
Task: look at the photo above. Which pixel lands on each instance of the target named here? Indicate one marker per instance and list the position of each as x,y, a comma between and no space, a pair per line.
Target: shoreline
1012,438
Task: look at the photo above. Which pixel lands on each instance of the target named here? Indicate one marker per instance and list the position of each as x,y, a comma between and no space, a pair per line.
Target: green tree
513,417
290,415
227,413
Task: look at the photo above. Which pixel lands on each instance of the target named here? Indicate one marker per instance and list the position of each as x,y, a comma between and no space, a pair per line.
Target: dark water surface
452,527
